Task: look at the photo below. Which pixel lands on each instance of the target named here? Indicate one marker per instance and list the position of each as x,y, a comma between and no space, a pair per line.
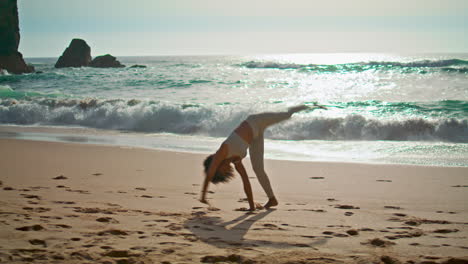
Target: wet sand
74,203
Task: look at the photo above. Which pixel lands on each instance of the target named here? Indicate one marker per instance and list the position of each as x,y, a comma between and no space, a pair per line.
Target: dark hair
218,177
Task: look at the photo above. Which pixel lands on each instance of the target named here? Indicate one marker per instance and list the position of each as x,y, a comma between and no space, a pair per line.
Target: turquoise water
381,108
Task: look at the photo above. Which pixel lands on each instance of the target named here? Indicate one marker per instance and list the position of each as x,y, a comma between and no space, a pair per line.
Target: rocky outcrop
78,54
138,66
10,59
106,61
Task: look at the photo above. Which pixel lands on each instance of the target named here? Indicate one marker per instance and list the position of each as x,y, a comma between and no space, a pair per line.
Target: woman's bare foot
271,202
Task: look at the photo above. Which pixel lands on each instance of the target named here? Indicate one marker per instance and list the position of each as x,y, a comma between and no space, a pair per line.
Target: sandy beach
75,203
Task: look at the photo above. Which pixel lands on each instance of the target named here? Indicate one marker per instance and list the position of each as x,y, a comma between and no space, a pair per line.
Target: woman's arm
247,187
219,156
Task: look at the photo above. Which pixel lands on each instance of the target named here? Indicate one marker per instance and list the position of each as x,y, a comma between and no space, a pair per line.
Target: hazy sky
181,27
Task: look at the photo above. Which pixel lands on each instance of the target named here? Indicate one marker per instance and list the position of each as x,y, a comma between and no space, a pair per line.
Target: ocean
382,108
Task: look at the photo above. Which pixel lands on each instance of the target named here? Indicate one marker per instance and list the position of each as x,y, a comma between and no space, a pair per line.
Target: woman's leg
264,120
256,157
260,122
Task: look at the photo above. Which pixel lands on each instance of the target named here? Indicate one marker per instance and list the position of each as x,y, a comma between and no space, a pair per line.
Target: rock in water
138,66
78,54
106,61
10,59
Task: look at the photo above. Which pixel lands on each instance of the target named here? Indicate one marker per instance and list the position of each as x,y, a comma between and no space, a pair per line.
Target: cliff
10,59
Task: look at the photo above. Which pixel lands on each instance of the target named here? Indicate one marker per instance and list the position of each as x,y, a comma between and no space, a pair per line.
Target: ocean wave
415,66
8,93
422,63
358,127
219,120
463,70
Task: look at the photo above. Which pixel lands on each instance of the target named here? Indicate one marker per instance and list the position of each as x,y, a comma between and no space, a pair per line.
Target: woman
248,135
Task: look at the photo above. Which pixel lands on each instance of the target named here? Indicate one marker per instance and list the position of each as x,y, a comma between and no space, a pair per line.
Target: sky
205,27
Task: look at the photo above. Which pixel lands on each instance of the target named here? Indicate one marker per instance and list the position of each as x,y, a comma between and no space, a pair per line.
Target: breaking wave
452,65
219,120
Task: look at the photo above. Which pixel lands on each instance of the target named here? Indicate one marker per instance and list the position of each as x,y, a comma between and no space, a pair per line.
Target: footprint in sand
161,221
393,207
445,231
30,196
114,232
165,234
92,210
168,251
377,242
60,177
38,242
230,258
401,215
63,202
406,234
301,245
269,226
106,247
339,226
36,188
63,226
50,217
8,189
37,209
315,210
30,228
107,220
78,191
347,207
442,212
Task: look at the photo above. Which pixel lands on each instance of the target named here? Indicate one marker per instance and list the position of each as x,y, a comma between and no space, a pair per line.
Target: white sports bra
236,146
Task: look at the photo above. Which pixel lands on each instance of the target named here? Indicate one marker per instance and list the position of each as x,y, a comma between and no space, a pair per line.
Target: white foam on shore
382,152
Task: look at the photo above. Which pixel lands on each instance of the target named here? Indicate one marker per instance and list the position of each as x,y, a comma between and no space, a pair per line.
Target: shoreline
106,203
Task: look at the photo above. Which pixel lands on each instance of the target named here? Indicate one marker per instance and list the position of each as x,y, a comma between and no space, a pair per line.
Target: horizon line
269,53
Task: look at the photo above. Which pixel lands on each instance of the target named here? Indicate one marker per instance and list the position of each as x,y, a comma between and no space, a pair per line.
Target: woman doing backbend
248,135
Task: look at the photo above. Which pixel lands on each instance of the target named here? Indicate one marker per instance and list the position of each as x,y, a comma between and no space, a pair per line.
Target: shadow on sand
224,234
